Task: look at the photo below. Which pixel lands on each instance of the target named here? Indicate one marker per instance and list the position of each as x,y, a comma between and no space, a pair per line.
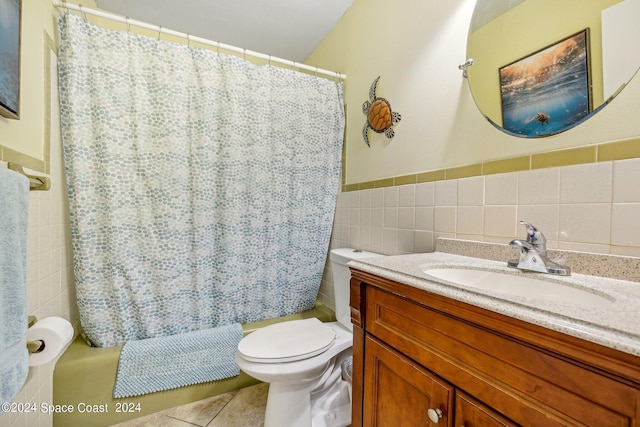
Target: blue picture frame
10,17
548,91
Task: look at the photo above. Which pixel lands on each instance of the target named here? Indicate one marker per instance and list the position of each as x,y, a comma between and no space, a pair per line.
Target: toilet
302,360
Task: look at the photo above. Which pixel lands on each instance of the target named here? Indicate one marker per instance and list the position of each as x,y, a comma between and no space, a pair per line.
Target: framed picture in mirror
548,91
10,11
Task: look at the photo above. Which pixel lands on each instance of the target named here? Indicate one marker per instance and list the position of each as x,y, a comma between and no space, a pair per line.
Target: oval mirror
540,67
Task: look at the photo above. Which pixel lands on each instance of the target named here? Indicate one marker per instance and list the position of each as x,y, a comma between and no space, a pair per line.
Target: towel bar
35,182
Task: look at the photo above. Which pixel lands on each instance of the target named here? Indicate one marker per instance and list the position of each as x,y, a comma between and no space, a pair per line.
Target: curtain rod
245,52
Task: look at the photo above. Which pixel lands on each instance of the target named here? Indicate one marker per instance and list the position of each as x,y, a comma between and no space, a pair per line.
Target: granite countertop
614,323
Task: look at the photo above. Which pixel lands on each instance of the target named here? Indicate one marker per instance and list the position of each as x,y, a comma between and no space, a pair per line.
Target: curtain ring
84,15
269,60
159,31
218,48
188,40
126,21
244,54
316,73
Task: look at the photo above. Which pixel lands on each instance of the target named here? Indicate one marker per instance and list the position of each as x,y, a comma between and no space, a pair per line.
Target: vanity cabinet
471,413
419,355
397,388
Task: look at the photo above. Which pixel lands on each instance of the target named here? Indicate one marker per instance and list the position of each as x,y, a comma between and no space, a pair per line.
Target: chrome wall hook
468,63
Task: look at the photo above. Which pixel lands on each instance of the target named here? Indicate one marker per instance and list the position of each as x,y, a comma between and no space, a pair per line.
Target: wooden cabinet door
471,413
398,392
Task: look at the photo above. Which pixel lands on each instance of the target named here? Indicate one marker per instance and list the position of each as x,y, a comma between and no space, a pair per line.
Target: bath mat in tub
163,363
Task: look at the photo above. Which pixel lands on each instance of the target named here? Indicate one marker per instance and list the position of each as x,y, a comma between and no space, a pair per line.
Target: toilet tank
341,277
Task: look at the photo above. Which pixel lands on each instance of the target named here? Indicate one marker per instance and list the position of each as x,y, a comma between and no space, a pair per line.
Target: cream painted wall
416,46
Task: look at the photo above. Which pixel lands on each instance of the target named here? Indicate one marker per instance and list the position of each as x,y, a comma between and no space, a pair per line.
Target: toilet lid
287,341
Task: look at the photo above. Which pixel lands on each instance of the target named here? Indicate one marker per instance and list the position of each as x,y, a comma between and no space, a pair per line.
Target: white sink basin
509,284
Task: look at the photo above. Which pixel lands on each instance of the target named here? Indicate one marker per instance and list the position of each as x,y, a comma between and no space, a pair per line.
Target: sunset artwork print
548,91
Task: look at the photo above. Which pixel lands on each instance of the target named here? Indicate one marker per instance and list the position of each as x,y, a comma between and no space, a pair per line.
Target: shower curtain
202,187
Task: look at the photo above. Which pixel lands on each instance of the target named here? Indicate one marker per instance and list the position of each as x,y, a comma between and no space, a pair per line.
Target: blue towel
14,357
163,363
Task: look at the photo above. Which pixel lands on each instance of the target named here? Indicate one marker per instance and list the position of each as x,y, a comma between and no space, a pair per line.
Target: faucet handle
535,237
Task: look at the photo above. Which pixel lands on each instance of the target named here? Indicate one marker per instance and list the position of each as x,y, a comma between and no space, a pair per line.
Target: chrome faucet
533,253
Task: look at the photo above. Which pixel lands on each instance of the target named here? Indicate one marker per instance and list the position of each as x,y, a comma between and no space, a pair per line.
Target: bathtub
84,378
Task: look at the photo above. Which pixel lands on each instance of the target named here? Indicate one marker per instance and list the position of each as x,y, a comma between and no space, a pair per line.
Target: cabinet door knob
434,415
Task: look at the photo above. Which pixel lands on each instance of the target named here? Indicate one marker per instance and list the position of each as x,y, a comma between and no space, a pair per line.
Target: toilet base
323,402
288,405
332,407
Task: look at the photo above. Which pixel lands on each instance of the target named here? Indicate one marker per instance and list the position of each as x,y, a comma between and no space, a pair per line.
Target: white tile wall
471,191
592,183
50,291
590,208
501,189
538,187
625,228
626,177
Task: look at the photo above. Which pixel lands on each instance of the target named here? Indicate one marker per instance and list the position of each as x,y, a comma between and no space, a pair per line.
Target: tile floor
239,408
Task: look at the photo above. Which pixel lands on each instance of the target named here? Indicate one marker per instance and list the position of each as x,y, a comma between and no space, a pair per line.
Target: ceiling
289,29
487,10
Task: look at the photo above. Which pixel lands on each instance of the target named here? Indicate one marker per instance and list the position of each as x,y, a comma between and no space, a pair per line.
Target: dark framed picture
10,11
549,90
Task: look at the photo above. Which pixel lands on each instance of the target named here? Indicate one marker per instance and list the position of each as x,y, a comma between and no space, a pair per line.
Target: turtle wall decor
380,118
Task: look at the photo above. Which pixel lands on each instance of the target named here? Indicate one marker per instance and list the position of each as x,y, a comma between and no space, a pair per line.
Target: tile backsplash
586,208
